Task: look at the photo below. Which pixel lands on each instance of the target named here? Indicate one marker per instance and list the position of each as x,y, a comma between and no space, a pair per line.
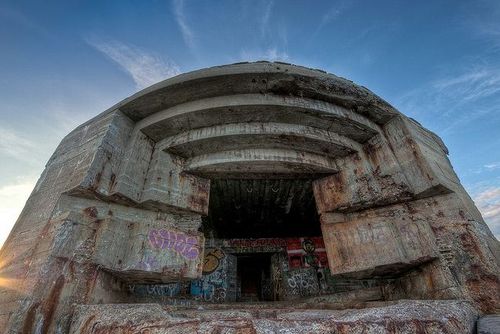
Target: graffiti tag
185,245
212,260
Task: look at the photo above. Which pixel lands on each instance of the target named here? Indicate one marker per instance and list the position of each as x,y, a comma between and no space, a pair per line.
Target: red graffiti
306,252
184,244
253,243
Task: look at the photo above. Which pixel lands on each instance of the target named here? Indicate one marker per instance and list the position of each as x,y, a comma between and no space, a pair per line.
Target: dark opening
254,277
261,208
281,213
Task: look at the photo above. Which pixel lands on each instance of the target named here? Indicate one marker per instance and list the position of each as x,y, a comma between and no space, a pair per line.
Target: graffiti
298,267
181,302
306,252
310,258
209,290
212,260
278,265
167,290
219,295
255,245
148,264
303,282
219,285
183,244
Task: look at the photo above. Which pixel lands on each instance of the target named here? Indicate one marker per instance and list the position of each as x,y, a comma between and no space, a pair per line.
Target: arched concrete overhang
312,116
256,78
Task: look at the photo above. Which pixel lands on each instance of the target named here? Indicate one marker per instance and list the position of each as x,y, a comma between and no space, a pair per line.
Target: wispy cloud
266,16
269,34
455,100
475,84
472,91
15,145
492,166
484,26
180,18
330,15
488,202
489,167
145,68
271,54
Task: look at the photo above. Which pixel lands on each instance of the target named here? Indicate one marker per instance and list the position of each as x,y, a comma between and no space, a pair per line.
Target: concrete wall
77,236
398,207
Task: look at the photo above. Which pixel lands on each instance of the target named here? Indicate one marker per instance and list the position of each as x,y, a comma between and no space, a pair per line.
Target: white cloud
492,166
454,101
472,85
12,199
266,16
271,54
330,15
488,202
145,68
180,18
484,26
15,145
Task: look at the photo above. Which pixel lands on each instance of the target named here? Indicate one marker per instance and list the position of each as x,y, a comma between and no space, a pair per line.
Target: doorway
254,277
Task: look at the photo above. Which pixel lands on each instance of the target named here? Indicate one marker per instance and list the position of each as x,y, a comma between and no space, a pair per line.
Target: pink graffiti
185,245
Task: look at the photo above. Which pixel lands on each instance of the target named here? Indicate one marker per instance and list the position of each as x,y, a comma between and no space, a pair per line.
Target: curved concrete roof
257,78
310,115
262,77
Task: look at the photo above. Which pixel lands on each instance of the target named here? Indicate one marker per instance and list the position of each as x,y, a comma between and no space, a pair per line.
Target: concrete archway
121,200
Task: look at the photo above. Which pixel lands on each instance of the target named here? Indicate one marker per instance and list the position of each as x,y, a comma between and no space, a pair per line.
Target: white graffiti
302,282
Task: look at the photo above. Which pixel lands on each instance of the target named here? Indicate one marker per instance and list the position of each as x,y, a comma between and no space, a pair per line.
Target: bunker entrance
254,277
261,208
265,233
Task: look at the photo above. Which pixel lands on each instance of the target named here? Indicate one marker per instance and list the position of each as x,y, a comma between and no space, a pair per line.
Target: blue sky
64,62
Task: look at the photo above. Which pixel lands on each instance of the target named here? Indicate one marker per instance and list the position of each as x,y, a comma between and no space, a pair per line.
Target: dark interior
261,208
254,273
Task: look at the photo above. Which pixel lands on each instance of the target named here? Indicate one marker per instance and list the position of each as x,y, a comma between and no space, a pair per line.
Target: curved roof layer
257,78
288,119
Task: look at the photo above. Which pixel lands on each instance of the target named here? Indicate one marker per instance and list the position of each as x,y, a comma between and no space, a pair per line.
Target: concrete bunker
158,198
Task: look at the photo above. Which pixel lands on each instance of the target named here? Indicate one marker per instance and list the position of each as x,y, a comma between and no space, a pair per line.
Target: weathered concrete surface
264,135
489,324
401,242
259,162
122,198
430,317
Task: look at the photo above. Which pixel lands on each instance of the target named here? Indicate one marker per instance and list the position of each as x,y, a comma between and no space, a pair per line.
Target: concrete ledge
243,108
450,317
259,135
259,161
